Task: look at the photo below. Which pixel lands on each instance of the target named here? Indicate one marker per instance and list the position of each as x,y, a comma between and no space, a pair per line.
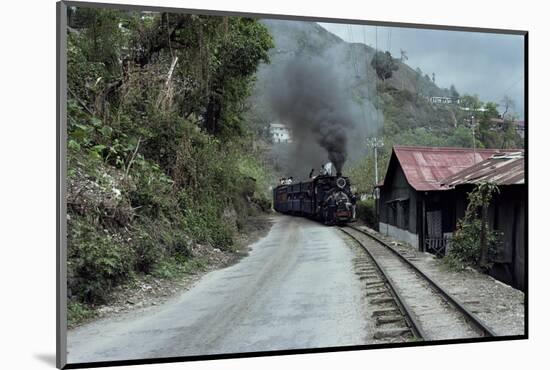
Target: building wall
280,133
398,214
400,234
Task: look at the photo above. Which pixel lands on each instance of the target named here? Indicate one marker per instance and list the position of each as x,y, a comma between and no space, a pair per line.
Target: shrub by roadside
366,211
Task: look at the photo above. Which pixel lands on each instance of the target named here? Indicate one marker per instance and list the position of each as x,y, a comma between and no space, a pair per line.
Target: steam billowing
323,89
307,98
308,95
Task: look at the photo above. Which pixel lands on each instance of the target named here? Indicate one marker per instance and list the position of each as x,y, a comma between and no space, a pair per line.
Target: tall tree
472,103
508,104
404,56
454,94
384,64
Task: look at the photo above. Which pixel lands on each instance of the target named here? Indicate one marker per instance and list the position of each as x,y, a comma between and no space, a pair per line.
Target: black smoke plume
308,96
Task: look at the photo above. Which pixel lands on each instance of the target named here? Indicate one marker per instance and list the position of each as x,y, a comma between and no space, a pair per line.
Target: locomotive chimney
338,174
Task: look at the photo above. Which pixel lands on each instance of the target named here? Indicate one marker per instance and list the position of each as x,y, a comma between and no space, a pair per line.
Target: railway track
430,313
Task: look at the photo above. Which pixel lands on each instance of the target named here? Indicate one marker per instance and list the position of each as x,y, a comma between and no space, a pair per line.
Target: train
325,198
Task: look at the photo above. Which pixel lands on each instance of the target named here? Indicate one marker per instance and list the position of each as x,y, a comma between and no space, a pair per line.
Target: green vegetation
78,312
159,151
366,212
473,242
384,65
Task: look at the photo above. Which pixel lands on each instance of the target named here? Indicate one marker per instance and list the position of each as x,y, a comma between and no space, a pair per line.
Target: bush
205,225
466,248
366,211
97,261
78,312
147,251
153,169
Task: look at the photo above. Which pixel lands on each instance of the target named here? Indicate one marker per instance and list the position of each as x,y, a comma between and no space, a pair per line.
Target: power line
509,88
367,61
514,84
376,83
356,68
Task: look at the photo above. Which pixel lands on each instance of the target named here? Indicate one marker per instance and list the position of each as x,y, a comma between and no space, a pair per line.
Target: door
435,243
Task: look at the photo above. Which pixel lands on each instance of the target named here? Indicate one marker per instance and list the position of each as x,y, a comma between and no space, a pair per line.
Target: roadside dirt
146,291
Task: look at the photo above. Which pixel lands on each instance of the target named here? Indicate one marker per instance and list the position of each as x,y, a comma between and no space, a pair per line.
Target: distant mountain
352,61
293,37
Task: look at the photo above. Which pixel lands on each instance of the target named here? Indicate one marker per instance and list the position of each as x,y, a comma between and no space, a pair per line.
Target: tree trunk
212,115
483,237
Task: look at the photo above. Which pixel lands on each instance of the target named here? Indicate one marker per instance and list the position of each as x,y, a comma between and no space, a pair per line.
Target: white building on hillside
280,133
444,100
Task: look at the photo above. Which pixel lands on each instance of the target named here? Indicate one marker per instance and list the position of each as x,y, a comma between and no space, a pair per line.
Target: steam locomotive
325,198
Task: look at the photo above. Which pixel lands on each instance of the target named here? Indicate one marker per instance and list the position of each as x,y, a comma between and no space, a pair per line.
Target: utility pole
473,125
375,143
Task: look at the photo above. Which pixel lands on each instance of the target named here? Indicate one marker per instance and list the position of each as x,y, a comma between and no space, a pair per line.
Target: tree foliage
158,145
384,64
473,242
454,93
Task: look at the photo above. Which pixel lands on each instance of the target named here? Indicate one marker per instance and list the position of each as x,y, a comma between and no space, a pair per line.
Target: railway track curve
430,311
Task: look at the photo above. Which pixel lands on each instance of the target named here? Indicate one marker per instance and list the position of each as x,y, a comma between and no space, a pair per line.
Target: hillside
162,175
396,109
352,62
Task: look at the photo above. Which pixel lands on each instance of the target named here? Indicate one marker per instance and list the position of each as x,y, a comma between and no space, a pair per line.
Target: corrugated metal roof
503,169
426,167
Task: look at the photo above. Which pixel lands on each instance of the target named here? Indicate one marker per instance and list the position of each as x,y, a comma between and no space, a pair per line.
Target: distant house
413,205
280,133
506,212
444,100
498,123
520,128
482,109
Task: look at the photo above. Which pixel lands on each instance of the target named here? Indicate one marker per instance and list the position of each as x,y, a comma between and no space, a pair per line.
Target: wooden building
506,213
413,205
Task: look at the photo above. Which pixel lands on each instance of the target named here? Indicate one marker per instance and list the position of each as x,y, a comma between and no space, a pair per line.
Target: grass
173,268
78,313
166,269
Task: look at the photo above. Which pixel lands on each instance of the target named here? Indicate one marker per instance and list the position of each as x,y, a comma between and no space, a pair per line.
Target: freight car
325,198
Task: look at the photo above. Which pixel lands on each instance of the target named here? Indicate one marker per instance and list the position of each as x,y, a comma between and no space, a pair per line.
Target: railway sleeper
391,333
371,280
385,311
382,300
373,284
380,320
379,292
365,271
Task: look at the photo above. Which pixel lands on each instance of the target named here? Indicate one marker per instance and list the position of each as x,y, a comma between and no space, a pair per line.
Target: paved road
296,289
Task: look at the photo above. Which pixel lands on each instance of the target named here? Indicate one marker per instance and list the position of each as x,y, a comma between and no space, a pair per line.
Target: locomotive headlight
341,182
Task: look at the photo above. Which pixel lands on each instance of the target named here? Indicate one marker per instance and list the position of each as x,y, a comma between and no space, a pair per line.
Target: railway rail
430,311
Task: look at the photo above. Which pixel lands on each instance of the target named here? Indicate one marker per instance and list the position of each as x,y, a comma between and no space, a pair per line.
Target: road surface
296,289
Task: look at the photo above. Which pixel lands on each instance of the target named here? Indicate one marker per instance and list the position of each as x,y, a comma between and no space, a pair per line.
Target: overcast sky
489,65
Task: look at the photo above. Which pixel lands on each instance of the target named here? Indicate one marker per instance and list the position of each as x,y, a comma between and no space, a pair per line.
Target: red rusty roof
426,167
502,169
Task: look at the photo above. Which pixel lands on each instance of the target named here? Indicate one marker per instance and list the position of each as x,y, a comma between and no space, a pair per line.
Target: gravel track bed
438,319
499,306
